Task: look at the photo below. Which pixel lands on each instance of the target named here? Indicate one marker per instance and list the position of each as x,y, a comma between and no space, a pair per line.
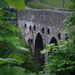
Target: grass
55,3
36,5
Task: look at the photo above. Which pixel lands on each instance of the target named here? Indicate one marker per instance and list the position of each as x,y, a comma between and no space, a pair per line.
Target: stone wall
48,23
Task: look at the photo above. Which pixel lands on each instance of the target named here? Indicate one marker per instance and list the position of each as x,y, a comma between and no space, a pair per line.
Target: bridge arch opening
53,40
38,47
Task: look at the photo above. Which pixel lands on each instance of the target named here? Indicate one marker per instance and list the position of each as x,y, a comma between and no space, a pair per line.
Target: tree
72,4
8,40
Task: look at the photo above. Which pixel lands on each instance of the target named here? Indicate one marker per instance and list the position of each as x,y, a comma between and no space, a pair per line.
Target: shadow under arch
38,47
53,40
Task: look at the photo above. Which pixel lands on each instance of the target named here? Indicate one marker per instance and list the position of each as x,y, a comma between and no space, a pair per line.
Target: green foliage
7,70
7,31
11,46
55,3
29,65
16,57
18,4
3,4
48,47
36,5
61,60
8,60
72,4
26,1
13,51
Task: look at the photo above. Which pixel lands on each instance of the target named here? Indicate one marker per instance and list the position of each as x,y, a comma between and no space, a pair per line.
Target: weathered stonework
48,23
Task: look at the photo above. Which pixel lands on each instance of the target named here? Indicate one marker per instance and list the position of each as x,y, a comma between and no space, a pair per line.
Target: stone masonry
39,27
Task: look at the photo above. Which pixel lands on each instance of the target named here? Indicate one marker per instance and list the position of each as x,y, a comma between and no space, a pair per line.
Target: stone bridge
41,27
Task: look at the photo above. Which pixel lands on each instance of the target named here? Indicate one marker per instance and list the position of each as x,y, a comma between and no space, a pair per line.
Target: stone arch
53,40
38,47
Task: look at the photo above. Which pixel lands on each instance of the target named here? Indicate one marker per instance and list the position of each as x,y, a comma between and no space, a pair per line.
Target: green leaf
70,67
3,4
60,69
18,58
18,4
61,64
65,20
44,51
17,71
8,15
22,48
2,61
1,38
13,39
14,29
50,45
5,70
